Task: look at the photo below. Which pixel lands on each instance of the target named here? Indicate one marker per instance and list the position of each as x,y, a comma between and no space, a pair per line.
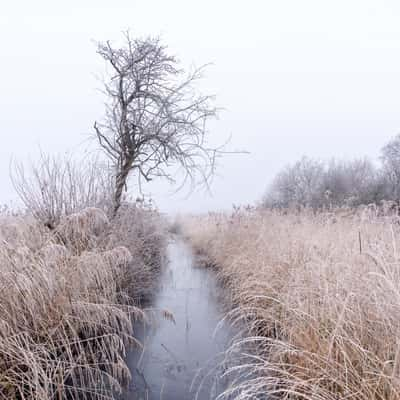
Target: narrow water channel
182,354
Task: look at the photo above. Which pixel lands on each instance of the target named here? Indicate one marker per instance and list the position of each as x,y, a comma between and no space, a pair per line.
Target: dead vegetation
56,186
67,301
321,295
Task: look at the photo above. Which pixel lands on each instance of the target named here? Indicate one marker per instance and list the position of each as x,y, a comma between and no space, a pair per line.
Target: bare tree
391,167
297,185
353,182
155,117
317,184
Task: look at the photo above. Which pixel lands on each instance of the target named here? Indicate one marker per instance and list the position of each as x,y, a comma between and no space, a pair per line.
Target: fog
312,77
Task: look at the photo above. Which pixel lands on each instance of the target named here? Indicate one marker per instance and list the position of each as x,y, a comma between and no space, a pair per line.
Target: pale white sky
312,77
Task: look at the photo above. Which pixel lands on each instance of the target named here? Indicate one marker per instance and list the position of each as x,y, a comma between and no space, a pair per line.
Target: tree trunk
120,183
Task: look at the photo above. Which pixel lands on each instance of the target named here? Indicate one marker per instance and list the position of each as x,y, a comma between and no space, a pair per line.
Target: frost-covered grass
68,297
321,295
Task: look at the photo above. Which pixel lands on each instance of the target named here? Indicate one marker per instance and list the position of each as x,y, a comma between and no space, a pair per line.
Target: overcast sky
313,77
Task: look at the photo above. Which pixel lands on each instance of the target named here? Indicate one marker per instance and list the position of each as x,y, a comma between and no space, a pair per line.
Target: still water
182,357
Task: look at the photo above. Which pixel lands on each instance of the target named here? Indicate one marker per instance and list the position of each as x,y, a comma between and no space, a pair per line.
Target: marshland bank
68,298
321,292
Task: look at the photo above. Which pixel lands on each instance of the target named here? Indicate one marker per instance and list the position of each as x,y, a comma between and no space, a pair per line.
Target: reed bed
66,304
320,295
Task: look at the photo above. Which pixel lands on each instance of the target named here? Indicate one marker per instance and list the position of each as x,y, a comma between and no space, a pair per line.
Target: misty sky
313,77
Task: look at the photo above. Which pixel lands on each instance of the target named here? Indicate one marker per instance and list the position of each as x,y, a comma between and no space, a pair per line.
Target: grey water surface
183,351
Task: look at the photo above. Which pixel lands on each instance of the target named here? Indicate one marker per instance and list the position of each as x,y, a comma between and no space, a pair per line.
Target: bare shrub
58,186
320,294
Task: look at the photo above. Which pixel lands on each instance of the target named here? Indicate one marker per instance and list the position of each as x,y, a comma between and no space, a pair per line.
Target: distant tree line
320,184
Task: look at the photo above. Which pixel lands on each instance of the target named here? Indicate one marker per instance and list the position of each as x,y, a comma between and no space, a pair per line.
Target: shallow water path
179,352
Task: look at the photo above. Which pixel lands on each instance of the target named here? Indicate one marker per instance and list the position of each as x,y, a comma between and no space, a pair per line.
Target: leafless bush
58,186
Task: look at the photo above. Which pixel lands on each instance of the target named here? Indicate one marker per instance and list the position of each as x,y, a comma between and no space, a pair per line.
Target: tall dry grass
141,229
320,294
66,307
